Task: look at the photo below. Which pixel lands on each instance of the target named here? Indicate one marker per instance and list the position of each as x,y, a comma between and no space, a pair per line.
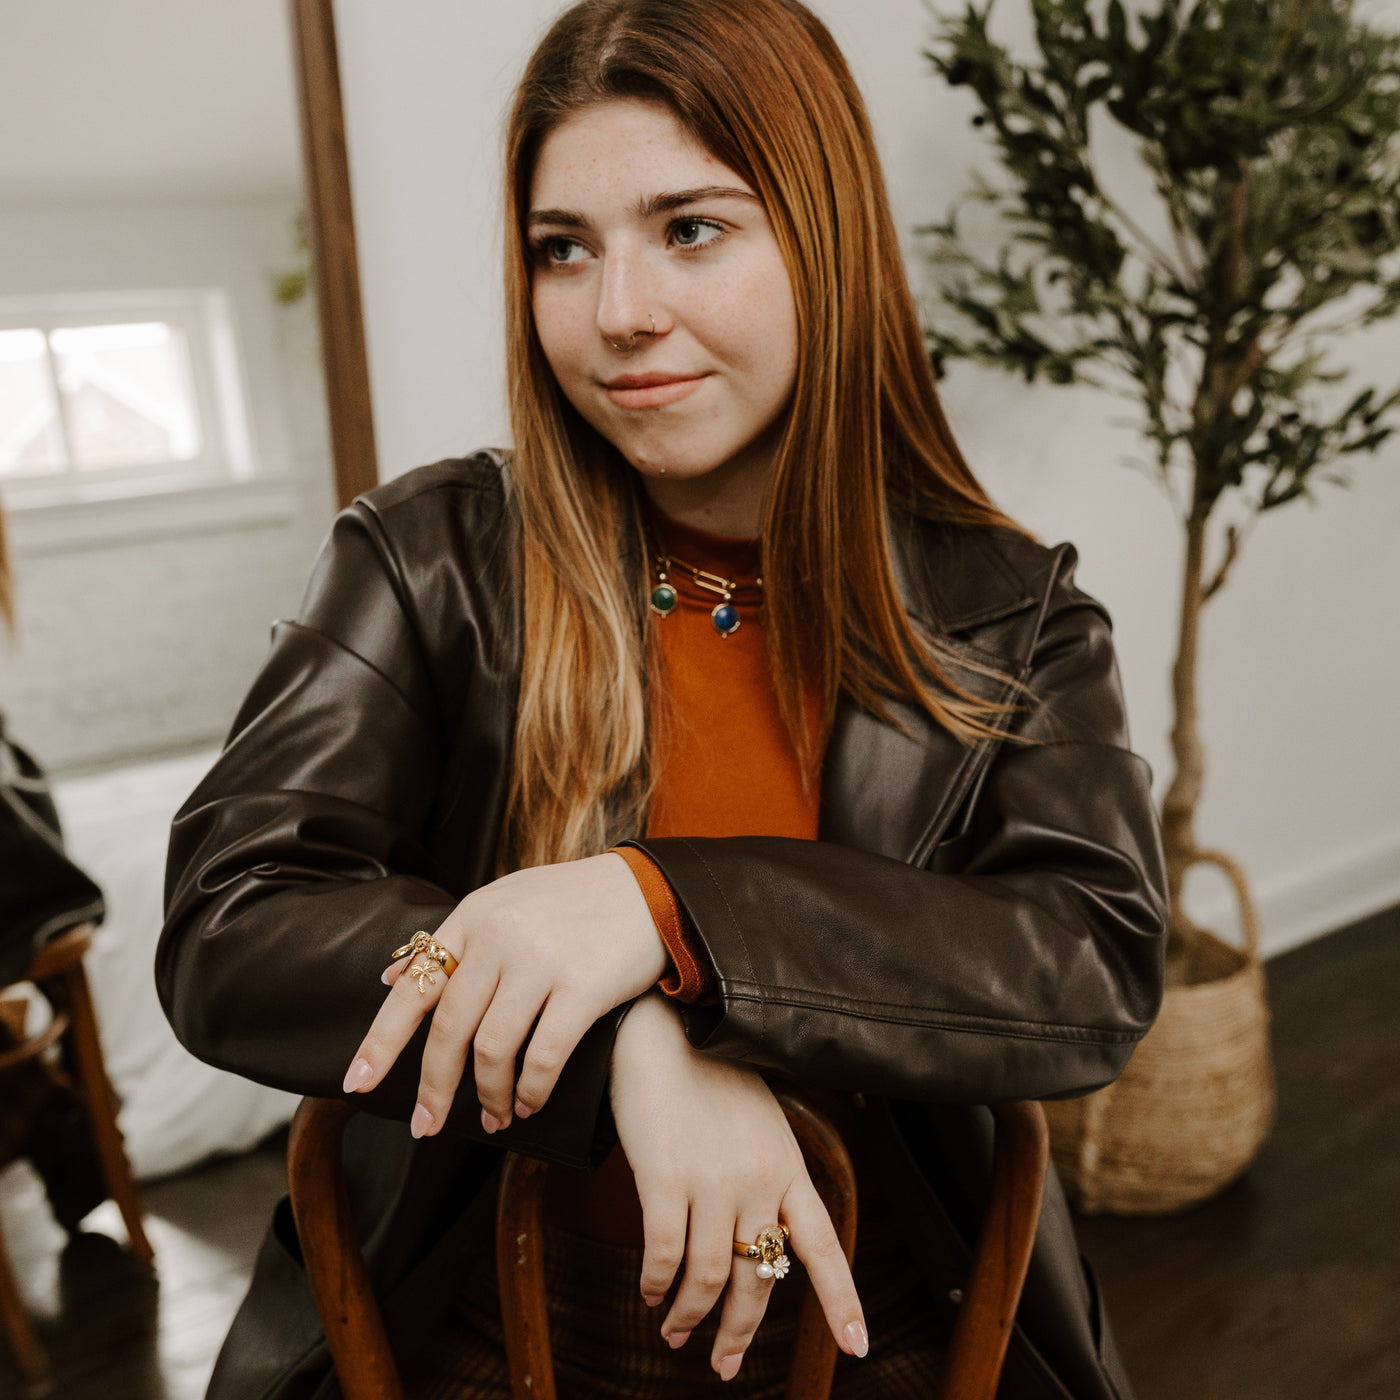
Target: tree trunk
1184,793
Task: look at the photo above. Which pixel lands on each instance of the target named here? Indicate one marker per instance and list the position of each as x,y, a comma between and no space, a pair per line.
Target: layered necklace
724,616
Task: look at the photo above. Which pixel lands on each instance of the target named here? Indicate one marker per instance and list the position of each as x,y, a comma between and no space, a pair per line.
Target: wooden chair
359,1345
61,960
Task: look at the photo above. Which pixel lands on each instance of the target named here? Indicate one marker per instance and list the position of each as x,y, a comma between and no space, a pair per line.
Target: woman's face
664,307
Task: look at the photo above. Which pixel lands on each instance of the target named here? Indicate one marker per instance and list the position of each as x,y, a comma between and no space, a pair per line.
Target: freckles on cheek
757,312
560,353
555,324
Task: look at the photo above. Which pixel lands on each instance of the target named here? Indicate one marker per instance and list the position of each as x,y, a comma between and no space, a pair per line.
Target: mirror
166,476
164,451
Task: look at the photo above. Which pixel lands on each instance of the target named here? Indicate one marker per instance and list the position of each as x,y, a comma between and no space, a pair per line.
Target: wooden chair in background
61,961
359,1345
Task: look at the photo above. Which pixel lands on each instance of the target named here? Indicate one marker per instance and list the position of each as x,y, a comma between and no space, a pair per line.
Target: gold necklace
724,616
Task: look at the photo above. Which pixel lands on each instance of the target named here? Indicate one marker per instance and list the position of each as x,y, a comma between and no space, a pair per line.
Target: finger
664,1215
391,974
498,1040
409,1000
708,1252
455,1022
744,1303
814,1241
561,1026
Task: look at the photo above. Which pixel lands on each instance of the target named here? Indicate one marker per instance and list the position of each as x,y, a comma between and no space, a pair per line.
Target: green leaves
1271,132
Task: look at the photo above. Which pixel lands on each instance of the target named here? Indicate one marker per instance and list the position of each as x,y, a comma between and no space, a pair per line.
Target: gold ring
768,1250
632,339
434,959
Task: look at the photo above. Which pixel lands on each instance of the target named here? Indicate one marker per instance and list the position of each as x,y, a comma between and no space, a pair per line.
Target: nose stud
632,339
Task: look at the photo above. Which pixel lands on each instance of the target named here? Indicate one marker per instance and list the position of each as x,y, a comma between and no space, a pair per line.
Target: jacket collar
953,578
896,793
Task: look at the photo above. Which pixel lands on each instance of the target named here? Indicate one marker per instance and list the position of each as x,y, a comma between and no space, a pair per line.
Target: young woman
723,733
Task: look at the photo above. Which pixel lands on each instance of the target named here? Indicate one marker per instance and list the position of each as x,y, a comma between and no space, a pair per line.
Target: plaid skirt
607,1343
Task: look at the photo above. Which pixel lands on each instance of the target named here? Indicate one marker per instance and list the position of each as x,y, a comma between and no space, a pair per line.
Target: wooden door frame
334,261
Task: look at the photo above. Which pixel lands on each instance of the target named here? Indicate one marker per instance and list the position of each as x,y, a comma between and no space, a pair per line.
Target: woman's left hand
562,943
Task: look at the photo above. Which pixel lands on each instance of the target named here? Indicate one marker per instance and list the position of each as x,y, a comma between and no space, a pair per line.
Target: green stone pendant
663,600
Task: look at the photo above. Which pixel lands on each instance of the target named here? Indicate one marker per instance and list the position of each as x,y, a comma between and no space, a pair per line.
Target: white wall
148,98
146,639
1300,675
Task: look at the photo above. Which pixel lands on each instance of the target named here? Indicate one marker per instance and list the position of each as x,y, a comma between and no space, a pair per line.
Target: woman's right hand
715,1161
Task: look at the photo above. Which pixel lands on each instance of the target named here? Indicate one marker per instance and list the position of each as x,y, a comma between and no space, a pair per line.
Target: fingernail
384,976
521,1111
489,1121
358,1075
421,1121
729,1366
856,1340
652,1300
677,1339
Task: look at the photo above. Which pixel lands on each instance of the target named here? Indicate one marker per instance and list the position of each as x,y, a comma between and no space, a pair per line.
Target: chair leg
520,1275
1004,1243
97,1090
14,1319
355,1334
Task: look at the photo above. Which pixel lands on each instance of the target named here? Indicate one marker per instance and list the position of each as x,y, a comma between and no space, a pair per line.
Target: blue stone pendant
725,617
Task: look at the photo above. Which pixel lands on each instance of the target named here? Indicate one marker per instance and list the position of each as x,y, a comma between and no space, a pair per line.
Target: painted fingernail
652,1300
521,1110
677,1339
421,1121
358,1075
384,976
489,1121
856,1340
729,1366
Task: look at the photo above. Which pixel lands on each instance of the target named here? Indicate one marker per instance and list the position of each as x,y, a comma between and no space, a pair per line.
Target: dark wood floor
1286,1287
113,1329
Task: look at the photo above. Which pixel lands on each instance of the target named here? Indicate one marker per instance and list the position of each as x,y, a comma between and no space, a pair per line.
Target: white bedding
175,1109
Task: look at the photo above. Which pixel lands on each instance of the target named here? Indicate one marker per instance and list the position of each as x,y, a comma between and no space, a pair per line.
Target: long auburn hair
762,85
7,588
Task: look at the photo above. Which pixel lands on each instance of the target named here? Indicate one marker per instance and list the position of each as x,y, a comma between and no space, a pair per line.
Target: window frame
205,317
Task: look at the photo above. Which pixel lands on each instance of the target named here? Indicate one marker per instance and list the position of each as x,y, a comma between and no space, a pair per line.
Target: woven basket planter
1189,1113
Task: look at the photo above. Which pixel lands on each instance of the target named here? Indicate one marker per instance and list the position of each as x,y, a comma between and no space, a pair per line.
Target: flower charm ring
768,1250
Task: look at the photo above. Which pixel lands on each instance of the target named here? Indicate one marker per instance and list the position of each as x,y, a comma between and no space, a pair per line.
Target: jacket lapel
895,793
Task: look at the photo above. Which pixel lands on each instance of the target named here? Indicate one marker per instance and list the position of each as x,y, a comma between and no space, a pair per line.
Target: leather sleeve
300,862
1025,963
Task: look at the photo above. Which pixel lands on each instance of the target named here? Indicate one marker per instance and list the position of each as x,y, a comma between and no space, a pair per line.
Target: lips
651,390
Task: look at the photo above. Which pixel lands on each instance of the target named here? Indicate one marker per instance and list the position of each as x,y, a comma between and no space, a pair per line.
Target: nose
627,299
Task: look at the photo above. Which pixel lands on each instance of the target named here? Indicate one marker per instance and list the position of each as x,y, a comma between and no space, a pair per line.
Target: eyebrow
647,207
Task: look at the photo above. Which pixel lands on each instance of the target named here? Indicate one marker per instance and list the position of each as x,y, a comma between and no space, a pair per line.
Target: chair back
359,1345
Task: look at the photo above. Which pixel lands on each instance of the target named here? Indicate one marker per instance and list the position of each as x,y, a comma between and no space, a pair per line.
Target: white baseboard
1308,901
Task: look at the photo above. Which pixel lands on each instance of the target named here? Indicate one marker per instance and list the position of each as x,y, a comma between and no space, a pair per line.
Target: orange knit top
726,767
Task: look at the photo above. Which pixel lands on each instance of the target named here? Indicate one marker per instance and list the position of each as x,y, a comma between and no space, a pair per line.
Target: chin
674,466
672,469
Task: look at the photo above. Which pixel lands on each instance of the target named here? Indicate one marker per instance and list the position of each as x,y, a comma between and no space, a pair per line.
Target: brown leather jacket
973,925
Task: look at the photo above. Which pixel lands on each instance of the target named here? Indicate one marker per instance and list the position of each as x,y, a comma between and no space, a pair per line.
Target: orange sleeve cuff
691,977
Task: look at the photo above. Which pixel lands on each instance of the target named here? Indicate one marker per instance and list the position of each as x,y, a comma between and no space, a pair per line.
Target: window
118,395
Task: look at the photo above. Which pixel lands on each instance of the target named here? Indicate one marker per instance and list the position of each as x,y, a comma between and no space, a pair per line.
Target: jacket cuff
692,977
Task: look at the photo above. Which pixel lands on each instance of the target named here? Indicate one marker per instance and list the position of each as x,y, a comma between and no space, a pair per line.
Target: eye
556,250
693,232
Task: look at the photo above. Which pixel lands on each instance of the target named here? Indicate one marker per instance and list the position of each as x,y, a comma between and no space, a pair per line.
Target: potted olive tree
1270,130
